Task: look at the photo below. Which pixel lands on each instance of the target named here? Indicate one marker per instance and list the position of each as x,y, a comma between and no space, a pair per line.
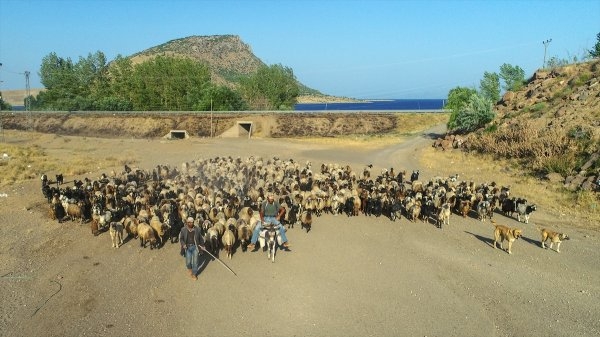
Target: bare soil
357,276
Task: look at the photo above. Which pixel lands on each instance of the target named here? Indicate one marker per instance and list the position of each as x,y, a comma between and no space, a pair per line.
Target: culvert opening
177,134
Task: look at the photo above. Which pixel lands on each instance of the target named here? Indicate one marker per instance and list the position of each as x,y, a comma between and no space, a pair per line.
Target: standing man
270,212
191,243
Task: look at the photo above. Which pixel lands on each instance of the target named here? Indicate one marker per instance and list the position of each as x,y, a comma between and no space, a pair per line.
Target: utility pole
28,100
546,43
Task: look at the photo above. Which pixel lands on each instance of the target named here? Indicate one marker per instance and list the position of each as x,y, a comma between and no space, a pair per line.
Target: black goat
414,176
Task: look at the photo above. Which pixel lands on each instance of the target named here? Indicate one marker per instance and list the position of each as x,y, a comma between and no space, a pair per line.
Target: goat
99,219
465,207
414,176
524,210
509,206
292,215
484,210
415,211
306,220
58,211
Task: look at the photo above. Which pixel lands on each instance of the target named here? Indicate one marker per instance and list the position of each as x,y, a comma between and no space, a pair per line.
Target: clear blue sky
362,49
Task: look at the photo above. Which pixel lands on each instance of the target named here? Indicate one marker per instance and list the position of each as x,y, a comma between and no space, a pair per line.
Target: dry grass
406,125
28,157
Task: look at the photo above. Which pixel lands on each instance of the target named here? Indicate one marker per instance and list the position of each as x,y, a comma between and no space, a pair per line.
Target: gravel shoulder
358,276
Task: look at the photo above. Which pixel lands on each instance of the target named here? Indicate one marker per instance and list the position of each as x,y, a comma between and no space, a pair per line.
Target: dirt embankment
149,125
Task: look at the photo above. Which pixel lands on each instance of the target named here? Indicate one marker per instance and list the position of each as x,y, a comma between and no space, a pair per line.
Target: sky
360,49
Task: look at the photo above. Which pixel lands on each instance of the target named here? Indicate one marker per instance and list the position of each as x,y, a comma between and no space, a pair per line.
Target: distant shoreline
304,99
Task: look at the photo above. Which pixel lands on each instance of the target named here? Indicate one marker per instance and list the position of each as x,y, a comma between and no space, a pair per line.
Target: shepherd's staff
216,258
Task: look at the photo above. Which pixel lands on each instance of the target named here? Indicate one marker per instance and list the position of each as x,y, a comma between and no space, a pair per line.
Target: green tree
474,115
72,86
3,104
271,88
489,86
596,51
458,99
220,98
513,77
168,83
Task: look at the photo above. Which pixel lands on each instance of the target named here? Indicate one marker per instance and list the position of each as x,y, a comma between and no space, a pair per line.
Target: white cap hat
190,219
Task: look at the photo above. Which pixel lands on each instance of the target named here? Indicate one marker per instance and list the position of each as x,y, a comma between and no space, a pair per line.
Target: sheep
228,240
74,211
244,233
211,239
116,233
131,226
146,235
159,227
306,220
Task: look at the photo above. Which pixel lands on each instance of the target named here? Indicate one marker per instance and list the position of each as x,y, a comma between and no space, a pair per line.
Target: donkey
269,239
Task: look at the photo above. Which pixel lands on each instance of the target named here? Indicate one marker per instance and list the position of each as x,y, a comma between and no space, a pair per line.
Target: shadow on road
483,239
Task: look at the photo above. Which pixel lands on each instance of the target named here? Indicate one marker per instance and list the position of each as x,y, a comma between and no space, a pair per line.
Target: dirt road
358,276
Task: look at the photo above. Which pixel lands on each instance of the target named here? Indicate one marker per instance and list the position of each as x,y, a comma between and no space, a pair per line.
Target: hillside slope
551,126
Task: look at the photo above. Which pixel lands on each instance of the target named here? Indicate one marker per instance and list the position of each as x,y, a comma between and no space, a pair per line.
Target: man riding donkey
270,212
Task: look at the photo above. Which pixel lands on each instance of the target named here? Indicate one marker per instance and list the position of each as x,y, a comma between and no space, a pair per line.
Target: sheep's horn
216,258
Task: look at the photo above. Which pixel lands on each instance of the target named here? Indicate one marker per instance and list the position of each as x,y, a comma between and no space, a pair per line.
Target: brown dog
502,233
554,237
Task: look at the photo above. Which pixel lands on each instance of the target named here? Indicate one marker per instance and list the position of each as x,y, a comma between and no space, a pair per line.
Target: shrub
562,165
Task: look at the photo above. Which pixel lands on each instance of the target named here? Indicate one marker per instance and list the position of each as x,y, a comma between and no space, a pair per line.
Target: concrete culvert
177,134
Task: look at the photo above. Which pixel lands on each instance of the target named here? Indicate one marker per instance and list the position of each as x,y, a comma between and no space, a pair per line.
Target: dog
116,233
502,233
554,237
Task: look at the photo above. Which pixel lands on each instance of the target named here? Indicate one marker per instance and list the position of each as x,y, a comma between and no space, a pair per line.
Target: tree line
161,83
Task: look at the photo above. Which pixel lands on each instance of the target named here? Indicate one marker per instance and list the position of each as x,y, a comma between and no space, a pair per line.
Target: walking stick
216,258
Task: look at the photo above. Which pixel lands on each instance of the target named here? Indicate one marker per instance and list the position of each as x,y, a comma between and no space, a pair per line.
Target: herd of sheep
223,194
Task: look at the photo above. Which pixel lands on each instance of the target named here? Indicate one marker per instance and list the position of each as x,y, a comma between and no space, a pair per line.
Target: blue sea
377,105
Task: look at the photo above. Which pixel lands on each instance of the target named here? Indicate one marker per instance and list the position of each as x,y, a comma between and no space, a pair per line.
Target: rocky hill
551,126
227,55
